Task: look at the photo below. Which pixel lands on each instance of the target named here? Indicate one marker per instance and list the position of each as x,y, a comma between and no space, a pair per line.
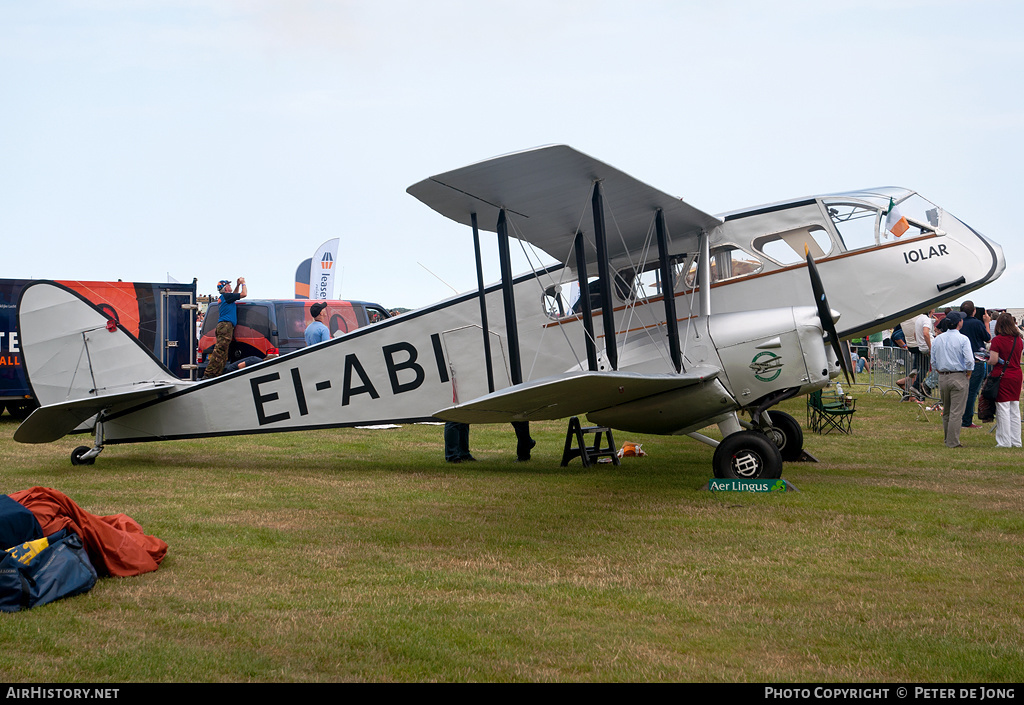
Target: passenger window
647,283
210,319
556,301
727,262
375,315
291,321
788,247
255,317
564,299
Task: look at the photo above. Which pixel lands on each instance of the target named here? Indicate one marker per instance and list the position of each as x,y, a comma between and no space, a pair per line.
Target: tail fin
72,351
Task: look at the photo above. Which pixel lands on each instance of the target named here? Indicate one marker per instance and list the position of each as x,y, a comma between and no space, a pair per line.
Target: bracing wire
536,276
637,269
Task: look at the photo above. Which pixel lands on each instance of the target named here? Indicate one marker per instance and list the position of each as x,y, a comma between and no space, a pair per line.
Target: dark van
281,323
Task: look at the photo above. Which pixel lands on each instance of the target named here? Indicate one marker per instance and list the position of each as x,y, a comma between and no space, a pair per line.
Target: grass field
359,555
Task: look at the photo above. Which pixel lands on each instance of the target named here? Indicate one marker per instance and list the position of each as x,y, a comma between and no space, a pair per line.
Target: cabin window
555,302
788,247
647,283
563,299
727,262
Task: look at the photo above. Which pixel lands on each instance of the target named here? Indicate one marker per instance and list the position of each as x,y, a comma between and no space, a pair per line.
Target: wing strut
668,292
603,278
704,275
483,303
511,327
588,311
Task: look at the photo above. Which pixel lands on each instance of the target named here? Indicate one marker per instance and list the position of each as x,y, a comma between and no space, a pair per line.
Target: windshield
861,217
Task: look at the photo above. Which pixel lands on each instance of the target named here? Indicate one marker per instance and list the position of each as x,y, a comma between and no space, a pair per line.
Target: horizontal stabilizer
570,395
50,423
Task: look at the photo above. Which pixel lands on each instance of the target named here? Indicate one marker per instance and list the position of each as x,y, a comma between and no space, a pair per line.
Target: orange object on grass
116,544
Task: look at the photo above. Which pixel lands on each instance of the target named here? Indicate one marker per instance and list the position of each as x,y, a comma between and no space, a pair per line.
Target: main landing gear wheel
77,453
785,432
747,455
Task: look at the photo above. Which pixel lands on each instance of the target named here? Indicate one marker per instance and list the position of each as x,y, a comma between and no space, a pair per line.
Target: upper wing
570,395
550,187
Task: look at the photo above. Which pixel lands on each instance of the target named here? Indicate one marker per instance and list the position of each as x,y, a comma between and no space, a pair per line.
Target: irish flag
895,222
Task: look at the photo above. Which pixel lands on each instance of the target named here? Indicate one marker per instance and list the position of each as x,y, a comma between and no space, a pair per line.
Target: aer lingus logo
766,366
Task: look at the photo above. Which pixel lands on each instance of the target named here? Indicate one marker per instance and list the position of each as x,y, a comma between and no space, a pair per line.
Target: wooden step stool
587,453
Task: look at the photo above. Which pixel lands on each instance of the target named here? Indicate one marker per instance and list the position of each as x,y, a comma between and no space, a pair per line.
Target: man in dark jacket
977,332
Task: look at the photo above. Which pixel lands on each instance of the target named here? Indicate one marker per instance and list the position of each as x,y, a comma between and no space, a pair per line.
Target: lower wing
570,395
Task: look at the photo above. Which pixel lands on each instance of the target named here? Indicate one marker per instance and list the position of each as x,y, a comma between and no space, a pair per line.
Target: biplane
657,317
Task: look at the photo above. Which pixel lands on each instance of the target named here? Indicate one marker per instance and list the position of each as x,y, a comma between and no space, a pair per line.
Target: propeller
825,314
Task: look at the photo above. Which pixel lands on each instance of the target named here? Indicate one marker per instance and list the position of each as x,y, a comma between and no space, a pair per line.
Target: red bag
986,410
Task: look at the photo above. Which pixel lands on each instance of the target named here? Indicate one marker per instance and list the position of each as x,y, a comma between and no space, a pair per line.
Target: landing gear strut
84,455
785,432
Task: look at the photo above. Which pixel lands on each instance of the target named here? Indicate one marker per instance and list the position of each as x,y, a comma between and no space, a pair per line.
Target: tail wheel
785,432
77,453
747,455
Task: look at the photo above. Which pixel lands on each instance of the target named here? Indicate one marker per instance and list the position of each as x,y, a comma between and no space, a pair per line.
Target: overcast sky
214,139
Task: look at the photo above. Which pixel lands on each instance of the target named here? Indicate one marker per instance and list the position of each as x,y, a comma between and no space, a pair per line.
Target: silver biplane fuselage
553,348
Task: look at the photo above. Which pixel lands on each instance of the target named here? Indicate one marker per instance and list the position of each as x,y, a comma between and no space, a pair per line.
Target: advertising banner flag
302,279
322,271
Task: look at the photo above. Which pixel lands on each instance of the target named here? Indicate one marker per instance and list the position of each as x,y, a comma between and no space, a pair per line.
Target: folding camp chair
924,408
827,412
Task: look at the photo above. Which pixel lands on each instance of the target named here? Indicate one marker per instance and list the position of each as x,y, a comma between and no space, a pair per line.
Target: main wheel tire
785,432
747,455
77,453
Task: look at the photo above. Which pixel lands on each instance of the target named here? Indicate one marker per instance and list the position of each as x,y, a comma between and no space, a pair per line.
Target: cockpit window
861,225
922,216
857,223
788,247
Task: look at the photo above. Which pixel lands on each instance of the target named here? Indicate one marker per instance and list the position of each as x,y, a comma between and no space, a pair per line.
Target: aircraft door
464,351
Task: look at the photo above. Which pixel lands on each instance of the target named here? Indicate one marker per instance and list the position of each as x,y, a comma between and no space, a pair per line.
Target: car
281,323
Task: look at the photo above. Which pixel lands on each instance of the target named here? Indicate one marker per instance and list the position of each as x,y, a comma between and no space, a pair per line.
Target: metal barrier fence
888,366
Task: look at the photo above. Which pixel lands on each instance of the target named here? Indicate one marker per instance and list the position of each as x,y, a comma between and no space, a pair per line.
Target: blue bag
17,523
62,569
